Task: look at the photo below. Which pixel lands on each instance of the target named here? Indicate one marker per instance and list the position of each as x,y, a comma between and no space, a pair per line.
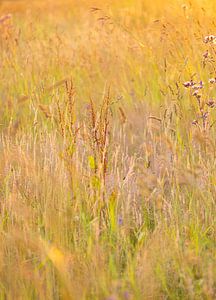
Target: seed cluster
212,80
210,39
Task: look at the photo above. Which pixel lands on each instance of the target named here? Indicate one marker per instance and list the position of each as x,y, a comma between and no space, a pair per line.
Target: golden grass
107,161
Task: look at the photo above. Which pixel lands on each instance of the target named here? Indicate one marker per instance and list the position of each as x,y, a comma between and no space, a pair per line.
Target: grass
107,161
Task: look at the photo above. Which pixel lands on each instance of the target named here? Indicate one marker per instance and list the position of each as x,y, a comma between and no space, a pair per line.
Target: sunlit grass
107,168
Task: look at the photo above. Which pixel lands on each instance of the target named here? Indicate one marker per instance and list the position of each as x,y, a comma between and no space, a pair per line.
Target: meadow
107,149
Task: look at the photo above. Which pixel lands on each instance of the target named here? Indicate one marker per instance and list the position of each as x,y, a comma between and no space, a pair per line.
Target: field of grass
107,149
